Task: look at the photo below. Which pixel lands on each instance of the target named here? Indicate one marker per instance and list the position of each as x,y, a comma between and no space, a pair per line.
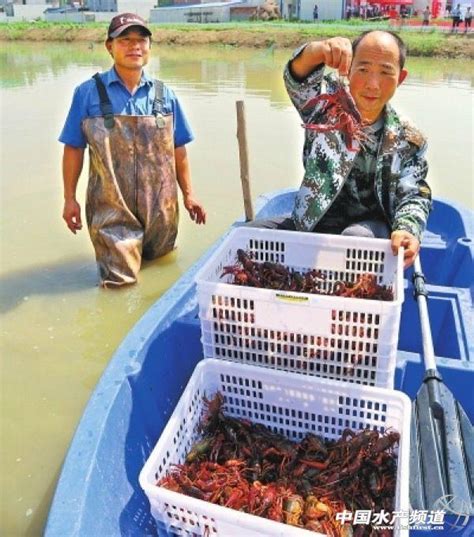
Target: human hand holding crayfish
409,242
335,52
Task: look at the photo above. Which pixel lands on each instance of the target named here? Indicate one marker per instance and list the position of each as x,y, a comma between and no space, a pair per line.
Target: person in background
467,19
137,133
315,12
348,12
456,15
426,16
379,189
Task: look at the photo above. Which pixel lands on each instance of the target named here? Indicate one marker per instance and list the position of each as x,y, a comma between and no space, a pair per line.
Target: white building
32,10
104,11
210,12
139,7
220,12
303,9
102,5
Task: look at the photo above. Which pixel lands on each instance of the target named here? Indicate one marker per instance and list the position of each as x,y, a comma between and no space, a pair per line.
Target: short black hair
402,48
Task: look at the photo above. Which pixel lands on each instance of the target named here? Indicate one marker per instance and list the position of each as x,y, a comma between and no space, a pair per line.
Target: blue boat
98,493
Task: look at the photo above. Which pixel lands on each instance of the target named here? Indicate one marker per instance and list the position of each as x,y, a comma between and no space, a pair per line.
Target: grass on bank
283,33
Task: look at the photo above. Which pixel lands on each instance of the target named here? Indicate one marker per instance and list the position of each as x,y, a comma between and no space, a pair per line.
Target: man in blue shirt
137,134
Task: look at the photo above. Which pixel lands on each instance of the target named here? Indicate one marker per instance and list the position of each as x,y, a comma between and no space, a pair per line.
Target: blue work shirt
86,103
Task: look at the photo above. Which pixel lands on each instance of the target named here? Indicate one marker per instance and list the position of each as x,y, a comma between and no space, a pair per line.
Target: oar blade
442,435
442,457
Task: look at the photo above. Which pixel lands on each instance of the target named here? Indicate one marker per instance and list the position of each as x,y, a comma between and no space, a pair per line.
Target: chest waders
132,204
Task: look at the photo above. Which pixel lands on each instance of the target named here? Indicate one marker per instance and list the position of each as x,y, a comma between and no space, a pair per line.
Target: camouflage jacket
401,166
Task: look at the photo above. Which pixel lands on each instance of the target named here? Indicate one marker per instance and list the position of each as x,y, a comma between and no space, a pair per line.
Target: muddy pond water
58,329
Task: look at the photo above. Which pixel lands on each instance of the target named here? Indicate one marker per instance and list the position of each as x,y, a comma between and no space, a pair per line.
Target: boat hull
98,493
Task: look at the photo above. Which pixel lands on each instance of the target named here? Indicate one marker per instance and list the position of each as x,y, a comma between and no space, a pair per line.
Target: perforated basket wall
339,338
287,403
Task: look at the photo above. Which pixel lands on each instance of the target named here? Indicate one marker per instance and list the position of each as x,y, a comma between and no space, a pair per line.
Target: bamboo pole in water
244,160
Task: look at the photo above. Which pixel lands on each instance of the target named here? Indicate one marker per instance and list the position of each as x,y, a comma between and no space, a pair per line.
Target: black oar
442,437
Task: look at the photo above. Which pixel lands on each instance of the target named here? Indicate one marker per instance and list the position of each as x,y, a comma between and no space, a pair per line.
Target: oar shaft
421,297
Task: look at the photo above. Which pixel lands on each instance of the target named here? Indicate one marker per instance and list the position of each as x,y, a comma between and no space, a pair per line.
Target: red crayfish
276,276
366,286
269,275
341,114
248,467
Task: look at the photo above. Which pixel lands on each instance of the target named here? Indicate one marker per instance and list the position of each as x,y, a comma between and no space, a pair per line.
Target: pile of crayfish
248,467
270,275
340,113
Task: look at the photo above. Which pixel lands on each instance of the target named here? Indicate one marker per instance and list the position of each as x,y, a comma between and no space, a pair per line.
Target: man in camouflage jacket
399,195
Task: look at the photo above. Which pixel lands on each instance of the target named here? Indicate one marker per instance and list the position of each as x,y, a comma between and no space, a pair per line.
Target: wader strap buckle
105,104
157,109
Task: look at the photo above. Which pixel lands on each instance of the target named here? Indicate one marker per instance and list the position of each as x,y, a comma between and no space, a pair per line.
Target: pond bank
258,35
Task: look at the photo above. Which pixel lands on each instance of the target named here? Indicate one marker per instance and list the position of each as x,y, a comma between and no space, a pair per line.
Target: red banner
391,2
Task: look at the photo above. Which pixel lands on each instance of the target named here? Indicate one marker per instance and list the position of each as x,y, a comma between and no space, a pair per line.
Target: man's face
130,50
375,74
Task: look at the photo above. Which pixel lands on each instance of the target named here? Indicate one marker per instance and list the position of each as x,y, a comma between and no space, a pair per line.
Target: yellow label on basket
292,298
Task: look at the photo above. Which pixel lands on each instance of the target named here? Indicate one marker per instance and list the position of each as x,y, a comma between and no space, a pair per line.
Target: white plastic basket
334,337
287,403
